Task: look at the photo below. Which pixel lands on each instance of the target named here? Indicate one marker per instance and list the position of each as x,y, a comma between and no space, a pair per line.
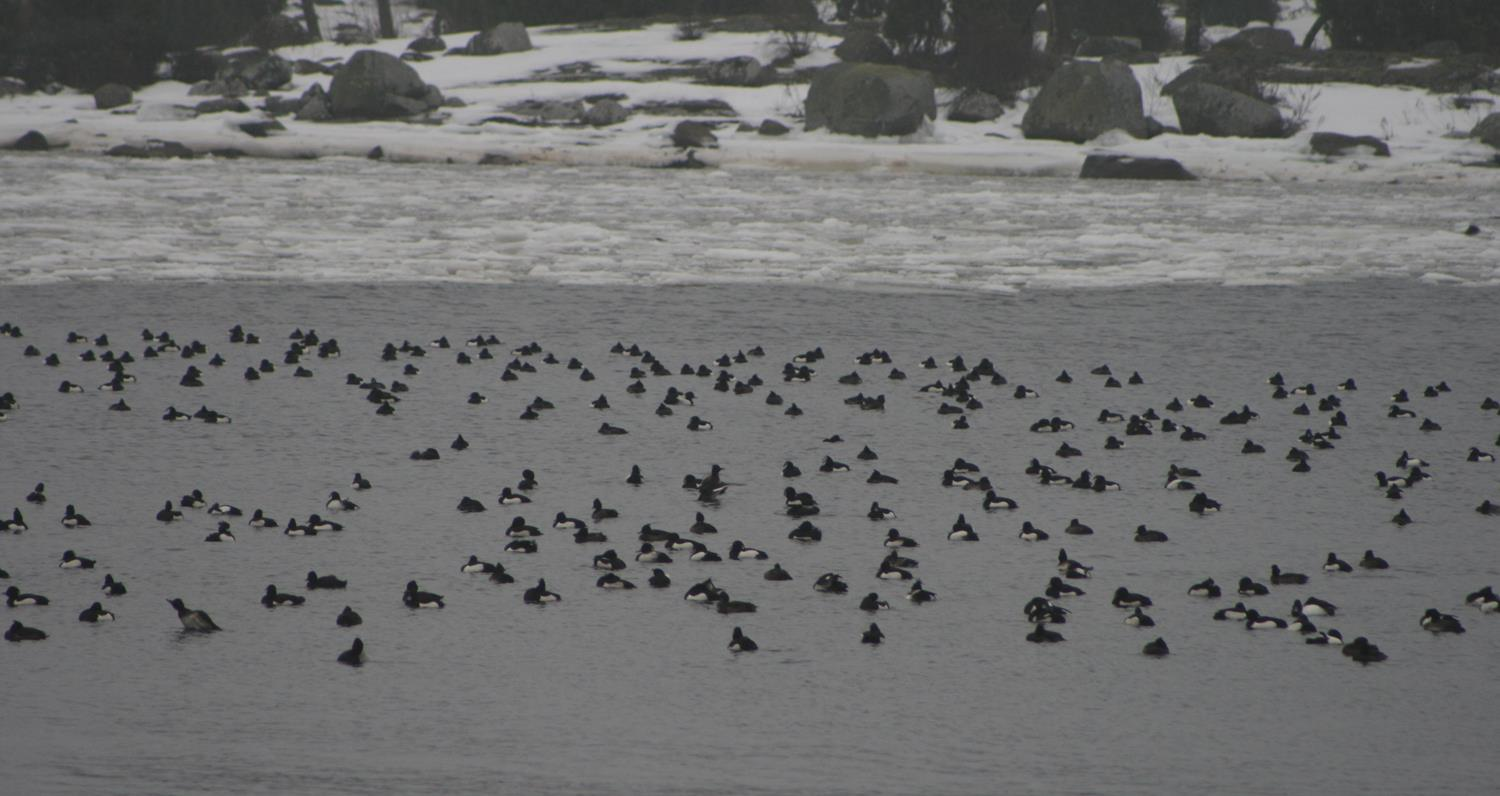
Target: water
634,692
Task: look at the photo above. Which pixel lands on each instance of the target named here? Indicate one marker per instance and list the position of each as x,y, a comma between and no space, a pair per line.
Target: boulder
241,72
1122,47
306,66
415,57
1334,144
31,141
507,37
277,30
742,70
153,149
11,86
498,159
261,129
1083,99
870,99
772,127
165,112
1488,130
314,105
1125,167
604,113
975,106
549,111
1224,75
281,105
348,33
1206,109
690,134
112,95
1267,40
221,105
428,44
375,85
864,46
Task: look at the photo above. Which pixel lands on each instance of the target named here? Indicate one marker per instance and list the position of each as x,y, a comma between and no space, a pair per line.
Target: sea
1202,290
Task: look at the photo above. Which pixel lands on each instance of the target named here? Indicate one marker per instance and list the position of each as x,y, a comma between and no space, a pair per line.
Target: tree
310,19
1192,36
915,28
387,22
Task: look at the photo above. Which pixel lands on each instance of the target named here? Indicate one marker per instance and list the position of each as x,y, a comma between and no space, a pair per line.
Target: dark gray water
634,692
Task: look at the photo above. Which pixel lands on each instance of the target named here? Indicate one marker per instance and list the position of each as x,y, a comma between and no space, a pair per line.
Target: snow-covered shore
1426,133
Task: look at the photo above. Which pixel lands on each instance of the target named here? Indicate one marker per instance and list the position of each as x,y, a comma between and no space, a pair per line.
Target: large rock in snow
112,95
975,106
507,37
1125,167
375,85
864,46
742,70
1334,144
691,134
1488,130
1083,99
870,99
1206,109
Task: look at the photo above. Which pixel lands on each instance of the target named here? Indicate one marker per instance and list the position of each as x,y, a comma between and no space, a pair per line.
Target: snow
1424,131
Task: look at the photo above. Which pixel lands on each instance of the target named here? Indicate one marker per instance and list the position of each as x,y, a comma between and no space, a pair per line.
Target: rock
772,127
30,141
315,105
605,113
304,66
376,153
498,159
1333,144
281,106
975,106
153,149
1269,40
349,33
1488,130
227,152
375,85
10,86
1122,47
1082,99
507,37
112,95
248,71
277,30
1125,167
864,46
165,112
708,107
739,71
261,129
428,44
454,102
222,105
870,99
415,57
690,134
1206,109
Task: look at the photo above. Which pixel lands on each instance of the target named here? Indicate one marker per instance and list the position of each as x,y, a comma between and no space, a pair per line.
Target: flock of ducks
955,385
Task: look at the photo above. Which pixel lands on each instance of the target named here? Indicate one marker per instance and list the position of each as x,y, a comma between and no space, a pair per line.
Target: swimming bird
539,595
355,655
1124,598
96,613
1336,564
220,534
729,606
112,587
1437,622
1279,578
1041,635
1249,588
739,552
1031,533
1144,534
1056,588
1363,652
1156,649
275,599
471,567
19,632
609,560
259,520
740,642
872,635
168,514
830,583
1205,588
72,519
71,560
193,621
414,598
1372,561
14,597
1138,618
348,618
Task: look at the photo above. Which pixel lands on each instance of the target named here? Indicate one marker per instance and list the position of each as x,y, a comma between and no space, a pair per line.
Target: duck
510,498
476,567
830,583
316,524
224,510
609,560
872,603
1077,528
725,605
1066,564
220,534
1363,652
1372,561
72,519
1328,637
702,592
1233,613
193,621
806,532
889,571
1279,578
962,531
96,613
112,587
1249,588
1437,622
193,500
19,632
1144,534
1138,618
701,553
879,513
1031,533
168,513
258,519
563,522
316,581
1056,588
1156,649
919,595
739,552
602,513
38,494
1336,564
1041,635
275,599
1313,606
520,530
1205,588
1301,624
1203,504
414,598
14,597
355,655
740,642
1254,620
71,560
1124,598
610,580
648,554
1040,609
701,525
829,465
994,502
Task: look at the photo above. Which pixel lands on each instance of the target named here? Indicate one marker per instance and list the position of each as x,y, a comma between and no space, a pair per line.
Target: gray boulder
771,127
1224,75
256,70
1206,109
1267,40
374,85
1083,99
165,112
507,37
549,111
153,149
1488,130
11,86
281,106
742,70
1125,167
1334,144
870,99
31,141
349,33
112,95
604,113
691,134
975,106
261,129
428,44
1123,47
864,46
221,105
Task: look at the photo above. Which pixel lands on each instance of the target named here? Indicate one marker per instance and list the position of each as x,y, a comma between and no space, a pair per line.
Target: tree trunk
1312,33
1192,35
1060,15
387,22
310,19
